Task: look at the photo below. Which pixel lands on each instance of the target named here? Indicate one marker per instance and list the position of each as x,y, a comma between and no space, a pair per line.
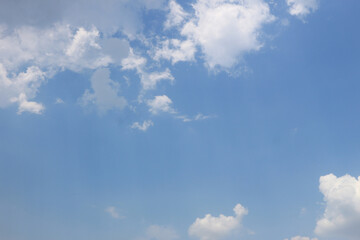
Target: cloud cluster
216,228
40,39
43,53
224,30
342,207
144,126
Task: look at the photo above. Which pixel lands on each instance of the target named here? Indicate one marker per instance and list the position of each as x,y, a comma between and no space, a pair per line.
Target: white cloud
52,49
28,106
197,117
176,15
21,87
150,80
156,232
133,62
45,52
113,212
301,238
226,30
144,126
105,92
214,228
342,207
160,104
301,8
175,50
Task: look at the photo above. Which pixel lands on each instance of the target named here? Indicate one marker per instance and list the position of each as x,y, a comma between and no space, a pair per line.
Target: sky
179,120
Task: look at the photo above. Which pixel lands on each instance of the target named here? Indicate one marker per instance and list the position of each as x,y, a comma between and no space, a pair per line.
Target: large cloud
341,218
46,51
225,30
214,228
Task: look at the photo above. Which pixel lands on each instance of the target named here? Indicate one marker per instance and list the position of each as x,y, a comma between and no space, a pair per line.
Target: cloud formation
104,94
341,217
215,228
301,8
224,30
144,126
160,104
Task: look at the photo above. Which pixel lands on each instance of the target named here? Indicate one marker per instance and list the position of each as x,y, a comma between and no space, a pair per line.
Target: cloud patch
216,228
160,104
301,8
341,217
144,126
104,94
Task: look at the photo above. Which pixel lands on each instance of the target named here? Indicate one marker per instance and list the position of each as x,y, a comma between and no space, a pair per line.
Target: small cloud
29,106
144,126
160,104
113,212
197,117
216,228
301,8
59,101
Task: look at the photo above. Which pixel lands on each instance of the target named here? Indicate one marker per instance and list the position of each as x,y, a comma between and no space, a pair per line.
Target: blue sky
165,120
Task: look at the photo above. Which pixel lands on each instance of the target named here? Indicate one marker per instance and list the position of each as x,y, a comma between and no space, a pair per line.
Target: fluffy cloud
301,238
175,16
55,48
342,207
20,88
301,8
160,104
144,126
45,52
104,93
156,232
226,30
214,228
176,50
148,80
